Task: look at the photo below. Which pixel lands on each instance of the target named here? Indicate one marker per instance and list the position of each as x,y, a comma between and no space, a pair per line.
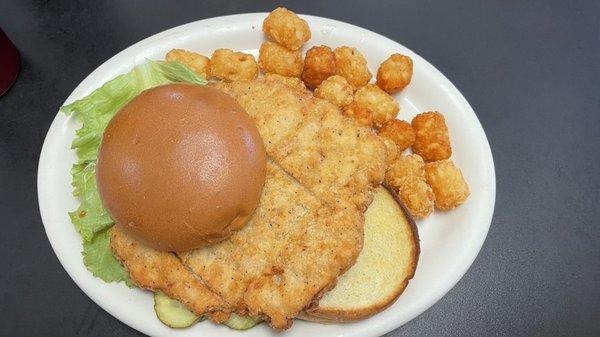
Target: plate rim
377,329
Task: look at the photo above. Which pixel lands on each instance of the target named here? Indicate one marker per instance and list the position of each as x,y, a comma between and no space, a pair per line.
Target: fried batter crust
154,270
325,151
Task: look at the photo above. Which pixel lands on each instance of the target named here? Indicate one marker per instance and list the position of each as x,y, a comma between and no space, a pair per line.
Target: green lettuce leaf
98,258
90,217
95,111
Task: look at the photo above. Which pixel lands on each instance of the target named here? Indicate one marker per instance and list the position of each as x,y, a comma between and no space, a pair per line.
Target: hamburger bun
181,166
383,269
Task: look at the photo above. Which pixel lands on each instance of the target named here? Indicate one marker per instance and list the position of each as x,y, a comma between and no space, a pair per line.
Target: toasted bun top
181,166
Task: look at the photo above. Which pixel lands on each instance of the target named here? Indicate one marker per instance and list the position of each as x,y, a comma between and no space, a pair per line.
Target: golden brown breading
416,195
448,184
405,166
432,141
362,115
352,65
392,150
276,110
228,65
400,132
294,246
195,61
337,160
286,28
276,59
154,270
319,64
336,90
310,139
384,107
293,82
395,73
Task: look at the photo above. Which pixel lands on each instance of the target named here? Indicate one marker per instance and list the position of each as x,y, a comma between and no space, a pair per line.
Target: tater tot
319,64
352,65
276,59
293,82
286,28
400,132
395,73
195,61
384,107
448,184
417,196
363,116
336,90
432,141
230,66
405,166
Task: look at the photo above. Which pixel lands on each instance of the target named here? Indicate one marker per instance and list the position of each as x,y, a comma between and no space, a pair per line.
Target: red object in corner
9,63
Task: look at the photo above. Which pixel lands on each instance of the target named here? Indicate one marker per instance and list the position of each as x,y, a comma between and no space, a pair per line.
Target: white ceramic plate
450,241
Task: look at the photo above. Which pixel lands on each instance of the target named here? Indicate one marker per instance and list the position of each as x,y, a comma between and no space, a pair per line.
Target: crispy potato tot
276,59
392,150
362,115
400,132
405,166
336,90
395,73
195,61
293,82
448,184
406,175
231,66
432,141
384,107
417,196
352,65
286,28
319,65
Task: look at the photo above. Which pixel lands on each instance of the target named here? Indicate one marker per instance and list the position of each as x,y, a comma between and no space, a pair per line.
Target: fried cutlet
294,246
308,227
154,270
328,153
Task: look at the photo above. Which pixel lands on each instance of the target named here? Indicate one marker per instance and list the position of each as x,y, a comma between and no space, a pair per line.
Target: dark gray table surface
530,70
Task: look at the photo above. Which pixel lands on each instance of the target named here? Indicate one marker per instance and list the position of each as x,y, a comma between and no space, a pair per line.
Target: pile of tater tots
425,179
